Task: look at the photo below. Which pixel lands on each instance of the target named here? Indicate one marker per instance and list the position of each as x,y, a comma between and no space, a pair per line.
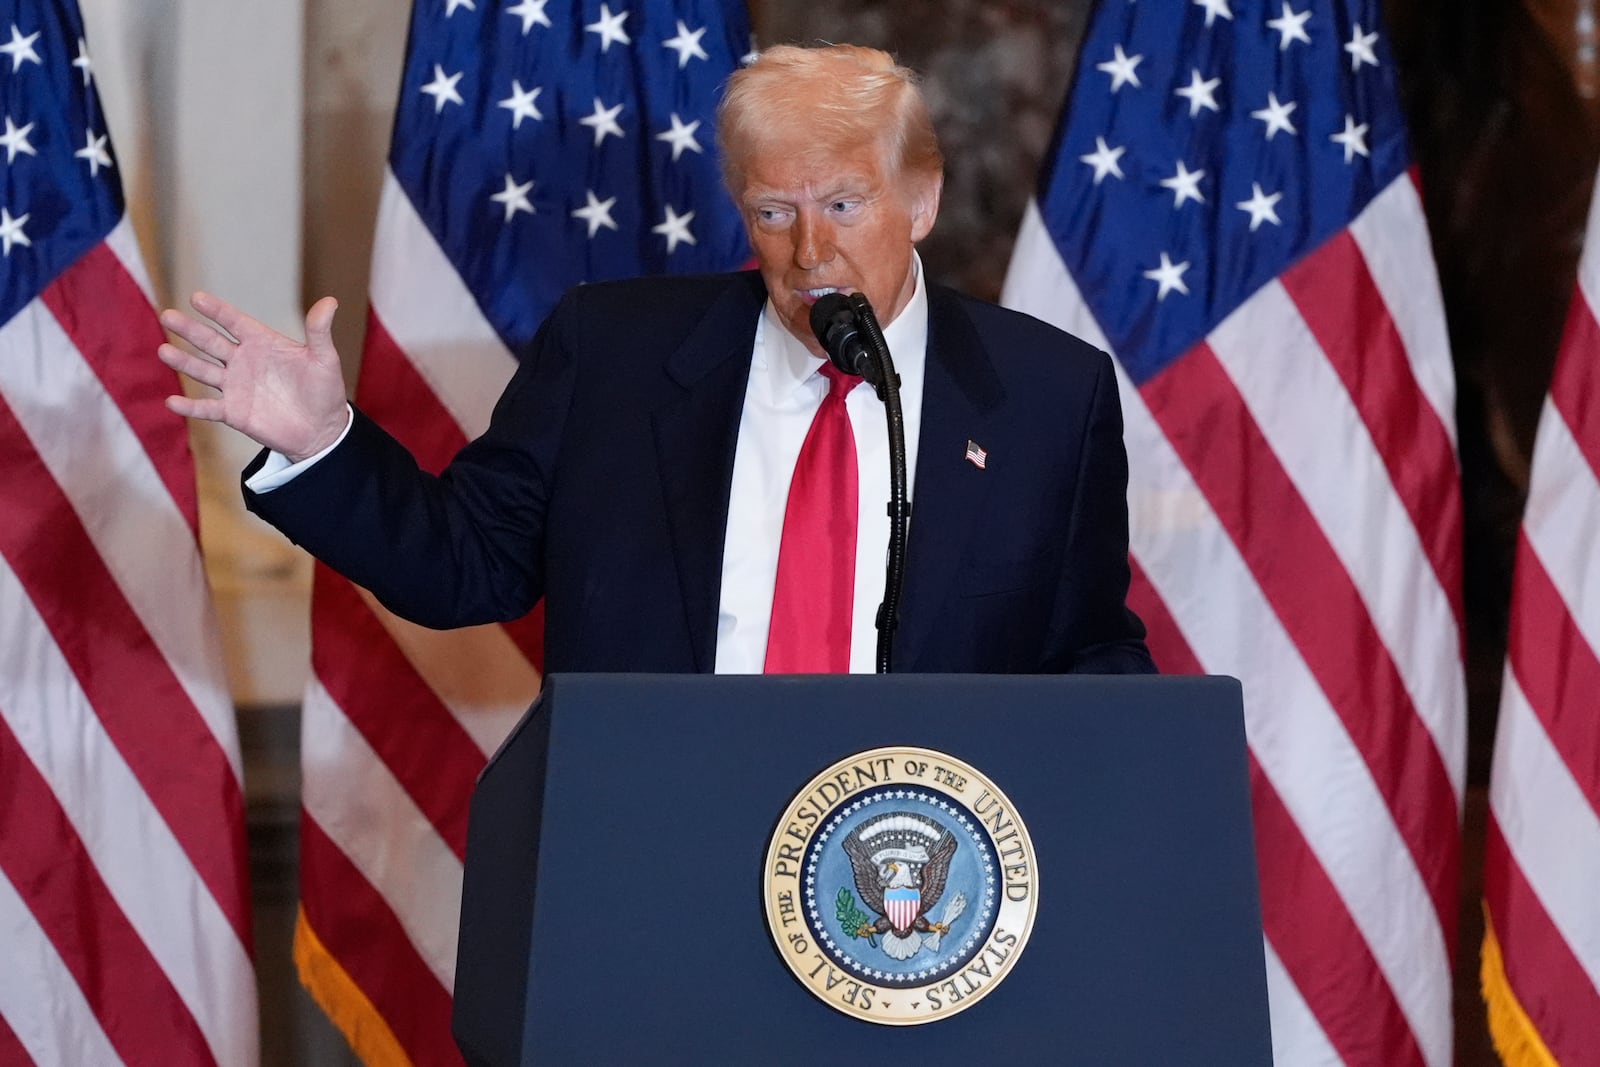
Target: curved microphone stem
887,386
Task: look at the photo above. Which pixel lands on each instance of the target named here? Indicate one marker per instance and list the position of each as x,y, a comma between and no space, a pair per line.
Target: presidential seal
900,886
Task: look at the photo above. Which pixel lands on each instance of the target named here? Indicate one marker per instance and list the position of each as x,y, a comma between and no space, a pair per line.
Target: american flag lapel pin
976,455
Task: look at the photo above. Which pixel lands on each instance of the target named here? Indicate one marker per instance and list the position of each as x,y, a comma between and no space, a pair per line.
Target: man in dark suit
635,472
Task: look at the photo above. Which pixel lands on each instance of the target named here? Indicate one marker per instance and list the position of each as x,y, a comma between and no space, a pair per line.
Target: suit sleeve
1092,630
456,549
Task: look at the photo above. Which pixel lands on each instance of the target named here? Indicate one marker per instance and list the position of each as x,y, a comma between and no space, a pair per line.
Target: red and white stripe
1542,861
123,884
1295,523
902,910
399,719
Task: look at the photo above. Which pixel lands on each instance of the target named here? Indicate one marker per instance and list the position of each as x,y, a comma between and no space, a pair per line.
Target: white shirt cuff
279,471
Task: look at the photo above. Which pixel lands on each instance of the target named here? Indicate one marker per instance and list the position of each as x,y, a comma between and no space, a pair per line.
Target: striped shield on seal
901,906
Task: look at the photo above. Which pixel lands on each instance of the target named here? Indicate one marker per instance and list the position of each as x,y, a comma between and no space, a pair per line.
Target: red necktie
815,591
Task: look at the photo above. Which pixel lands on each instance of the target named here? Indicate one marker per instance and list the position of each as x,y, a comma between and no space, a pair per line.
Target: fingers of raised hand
201,370
203,336
229,317
196,407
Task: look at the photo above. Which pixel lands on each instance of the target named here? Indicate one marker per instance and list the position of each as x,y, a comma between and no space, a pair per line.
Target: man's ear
925,205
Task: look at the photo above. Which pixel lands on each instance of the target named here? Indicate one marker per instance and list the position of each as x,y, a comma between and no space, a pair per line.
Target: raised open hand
283,394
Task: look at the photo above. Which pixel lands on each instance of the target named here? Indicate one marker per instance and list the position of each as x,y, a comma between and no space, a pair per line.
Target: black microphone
834,321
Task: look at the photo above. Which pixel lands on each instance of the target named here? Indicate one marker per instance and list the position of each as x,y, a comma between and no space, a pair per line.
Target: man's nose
813,244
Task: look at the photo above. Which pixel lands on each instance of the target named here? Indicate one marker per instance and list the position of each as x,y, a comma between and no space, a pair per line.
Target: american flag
1228,211
1541,958
537,145
124,906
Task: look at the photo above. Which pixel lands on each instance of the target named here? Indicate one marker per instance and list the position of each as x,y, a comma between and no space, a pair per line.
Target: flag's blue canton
1329,60
465,157
59,196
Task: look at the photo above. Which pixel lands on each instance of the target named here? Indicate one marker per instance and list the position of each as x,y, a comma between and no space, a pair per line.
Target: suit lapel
962,398
696,432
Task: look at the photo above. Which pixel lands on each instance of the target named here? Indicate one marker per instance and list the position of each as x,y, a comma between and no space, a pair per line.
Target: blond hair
851,95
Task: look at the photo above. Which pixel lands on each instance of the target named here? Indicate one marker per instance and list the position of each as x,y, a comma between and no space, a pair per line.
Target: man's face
834,219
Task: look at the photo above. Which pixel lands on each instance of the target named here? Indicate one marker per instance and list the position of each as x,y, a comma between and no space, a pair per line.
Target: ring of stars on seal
984,920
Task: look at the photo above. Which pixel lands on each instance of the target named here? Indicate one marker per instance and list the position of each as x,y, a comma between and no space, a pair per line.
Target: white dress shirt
786,387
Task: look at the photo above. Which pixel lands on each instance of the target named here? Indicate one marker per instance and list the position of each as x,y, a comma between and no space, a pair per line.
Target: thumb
319,327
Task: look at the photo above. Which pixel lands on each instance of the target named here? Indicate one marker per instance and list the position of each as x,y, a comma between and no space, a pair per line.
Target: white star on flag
94,150
1360,48
609,27
82,62
681,136
1104,159
443,88
20,48
521,104
1199,92
596,213
1215,8
514,197
1262,208
531,12
1121,68
1276,116
1353,138
675,228
451,5
1185,185
11,230
603,121
1168,276
686,44
15,140
1291,26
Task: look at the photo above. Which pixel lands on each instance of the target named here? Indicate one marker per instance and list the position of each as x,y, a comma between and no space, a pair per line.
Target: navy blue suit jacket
602,485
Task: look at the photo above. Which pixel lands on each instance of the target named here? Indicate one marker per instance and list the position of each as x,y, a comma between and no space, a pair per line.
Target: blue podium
623,845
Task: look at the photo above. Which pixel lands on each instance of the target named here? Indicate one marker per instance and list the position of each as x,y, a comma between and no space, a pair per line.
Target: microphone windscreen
830,312
833,320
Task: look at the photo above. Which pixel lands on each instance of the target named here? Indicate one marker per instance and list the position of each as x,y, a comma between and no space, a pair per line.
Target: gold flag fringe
331,986
1516,1039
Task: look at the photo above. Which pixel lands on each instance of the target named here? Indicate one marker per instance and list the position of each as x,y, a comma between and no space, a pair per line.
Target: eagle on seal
900,862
